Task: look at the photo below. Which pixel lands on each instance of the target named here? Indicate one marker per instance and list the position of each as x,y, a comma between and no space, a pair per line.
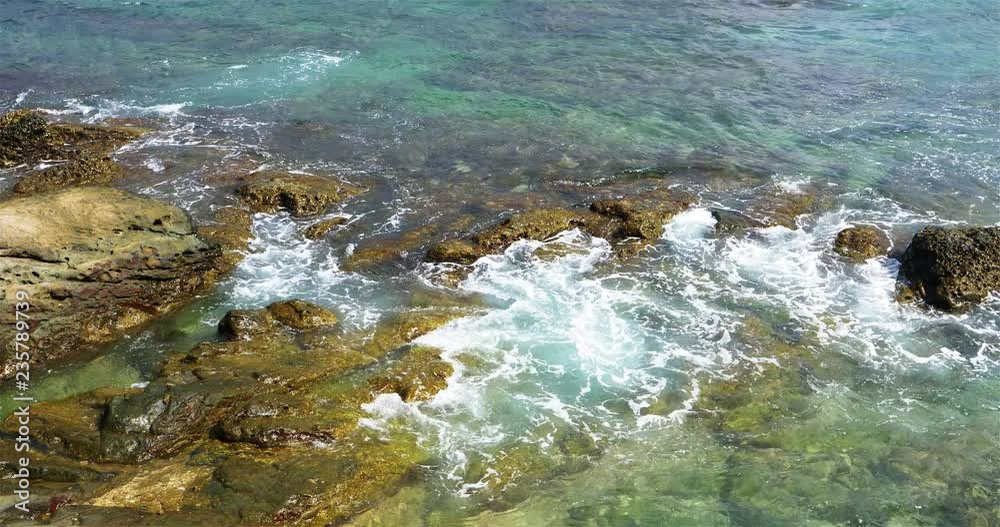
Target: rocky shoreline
263,424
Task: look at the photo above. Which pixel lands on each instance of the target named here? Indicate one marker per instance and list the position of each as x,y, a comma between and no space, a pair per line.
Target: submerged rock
97,262
299,194
952,268
266,430
861,243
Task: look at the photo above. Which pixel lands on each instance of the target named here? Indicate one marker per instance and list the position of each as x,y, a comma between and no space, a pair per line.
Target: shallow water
594,392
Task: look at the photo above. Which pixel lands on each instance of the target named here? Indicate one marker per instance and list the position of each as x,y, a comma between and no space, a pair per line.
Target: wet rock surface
618,220
79,152
861,243
731,222
97,262
264,430
299,194
951,268
321,228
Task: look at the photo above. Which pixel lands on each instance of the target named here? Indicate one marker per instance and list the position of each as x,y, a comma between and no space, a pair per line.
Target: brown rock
301,195
456,251
320,228
299,314
861,243
95,263
245,324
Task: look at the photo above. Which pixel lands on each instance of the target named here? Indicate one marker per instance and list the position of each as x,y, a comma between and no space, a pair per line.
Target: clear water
587,378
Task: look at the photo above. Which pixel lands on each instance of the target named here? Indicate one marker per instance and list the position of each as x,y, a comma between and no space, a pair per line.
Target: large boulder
96,262
952,268
299,194
861,242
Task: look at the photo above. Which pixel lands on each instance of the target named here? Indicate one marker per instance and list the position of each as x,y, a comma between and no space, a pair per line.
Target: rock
26,138
320,228
157,489
384,250
97,262
629,224
417,376
245,324
784,208
540,224
455,251
861,243
299,314
231,229
23,138
733,222
265,430
300,194
87,170
951,269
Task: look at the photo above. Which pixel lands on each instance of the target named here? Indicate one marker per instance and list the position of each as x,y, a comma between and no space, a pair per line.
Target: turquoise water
599,389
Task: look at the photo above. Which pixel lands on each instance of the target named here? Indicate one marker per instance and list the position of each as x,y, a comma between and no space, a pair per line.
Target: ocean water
594,391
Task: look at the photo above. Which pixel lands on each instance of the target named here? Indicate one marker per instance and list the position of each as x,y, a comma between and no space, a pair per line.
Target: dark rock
861,243
952,268
245,324
300,194
733,222
23,138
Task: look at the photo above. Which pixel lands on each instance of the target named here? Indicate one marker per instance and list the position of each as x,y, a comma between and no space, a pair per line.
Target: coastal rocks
23,137
299,314
782,208
80,150
386,250
87,170
455,251
951,268
97,262
320,228
299,194
231,229
240,324
244,429
733,222
640,218
244,324
861,243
